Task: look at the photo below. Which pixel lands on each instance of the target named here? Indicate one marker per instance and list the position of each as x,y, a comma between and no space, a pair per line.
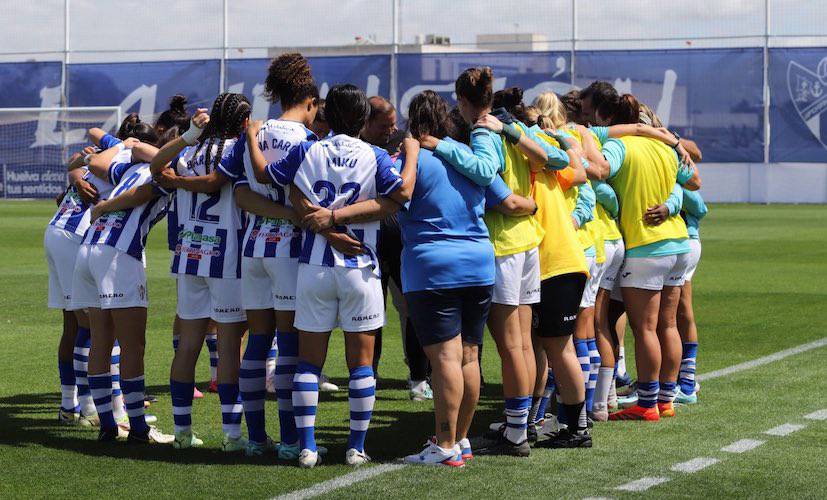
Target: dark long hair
132,126
174,116
428,115
476,85
512,100
346,109
226,122
621,110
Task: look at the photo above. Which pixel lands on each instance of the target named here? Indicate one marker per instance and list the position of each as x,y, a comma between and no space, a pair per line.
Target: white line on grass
340,482
723,372
694,465
642,484
743,446
784,429
817,415
362,474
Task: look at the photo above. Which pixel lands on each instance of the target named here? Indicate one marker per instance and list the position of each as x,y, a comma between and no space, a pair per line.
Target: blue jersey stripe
217,261
136,246
192,263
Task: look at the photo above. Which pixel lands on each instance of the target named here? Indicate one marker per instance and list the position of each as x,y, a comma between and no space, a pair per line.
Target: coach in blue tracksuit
447,279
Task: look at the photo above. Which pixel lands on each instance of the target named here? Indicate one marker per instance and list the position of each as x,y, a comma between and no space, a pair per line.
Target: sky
113,30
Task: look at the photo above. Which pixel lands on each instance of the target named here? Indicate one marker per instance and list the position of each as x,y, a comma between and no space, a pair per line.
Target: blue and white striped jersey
73,215
209,224
333,173
128,229
265,236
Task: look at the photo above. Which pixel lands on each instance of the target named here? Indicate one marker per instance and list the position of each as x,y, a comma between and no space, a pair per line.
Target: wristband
677,138
511,132
192,134
87,159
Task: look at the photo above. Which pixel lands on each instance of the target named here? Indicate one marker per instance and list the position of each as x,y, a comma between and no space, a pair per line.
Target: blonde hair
531,115
648,116
552,113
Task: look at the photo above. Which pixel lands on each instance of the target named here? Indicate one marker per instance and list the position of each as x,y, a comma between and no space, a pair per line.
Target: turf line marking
340,482
784,429
743,446
723,372
694,465
817,415
642,484
360,475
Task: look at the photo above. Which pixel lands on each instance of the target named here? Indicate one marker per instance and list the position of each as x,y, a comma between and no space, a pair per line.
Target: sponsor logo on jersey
196,253
194,237
573,317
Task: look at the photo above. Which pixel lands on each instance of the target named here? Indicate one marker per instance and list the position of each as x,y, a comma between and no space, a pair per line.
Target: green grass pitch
761,288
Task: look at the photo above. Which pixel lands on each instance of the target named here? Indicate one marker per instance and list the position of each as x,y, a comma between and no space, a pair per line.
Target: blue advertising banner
798,102
143,87
371,73
24,84
712,96
535,72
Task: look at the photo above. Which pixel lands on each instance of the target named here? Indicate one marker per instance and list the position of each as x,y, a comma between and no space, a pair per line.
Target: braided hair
226,121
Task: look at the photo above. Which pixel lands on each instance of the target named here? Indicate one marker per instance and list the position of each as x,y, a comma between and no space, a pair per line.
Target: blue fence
714,96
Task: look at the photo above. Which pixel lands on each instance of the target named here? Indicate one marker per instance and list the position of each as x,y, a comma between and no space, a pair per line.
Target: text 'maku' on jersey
209,224
332,173
265,236
126,230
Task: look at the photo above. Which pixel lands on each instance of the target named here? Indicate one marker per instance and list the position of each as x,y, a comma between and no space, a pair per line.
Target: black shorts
440,315
556,314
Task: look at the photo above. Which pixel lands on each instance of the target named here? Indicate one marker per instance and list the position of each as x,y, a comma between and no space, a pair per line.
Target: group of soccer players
551,223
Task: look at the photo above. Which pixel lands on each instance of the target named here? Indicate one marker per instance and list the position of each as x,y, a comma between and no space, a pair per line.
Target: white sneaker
150,419
356,457
91,420
435,455
420,391
309,459
325,385
159,437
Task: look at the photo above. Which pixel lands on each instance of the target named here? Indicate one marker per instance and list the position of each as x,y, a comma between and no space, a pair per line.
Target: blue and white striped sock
362,396
133,396
647,393
181,393
666,392
516,418
581,348
270,366
101,388
305,401
687,374
251,384
594,368
212,346
231,410
549,390
68,389
118,409
175,339
285,371
80,364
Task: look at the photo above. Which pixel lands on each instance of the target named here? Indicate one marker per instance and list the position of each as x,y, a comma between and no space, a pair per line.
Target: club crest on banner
808,91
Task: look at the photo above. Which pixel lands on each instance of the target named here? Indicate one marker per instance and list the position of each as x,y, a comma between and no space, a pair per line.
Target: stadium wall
714,96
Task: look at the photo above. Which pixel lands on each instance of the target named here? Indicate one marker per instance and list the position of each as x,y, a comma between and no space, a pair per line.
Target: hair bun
178,103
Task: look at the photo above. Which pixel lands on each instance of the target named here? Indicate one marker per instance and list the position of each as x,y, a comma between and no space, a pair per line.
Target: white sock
621,362
118,408
604,383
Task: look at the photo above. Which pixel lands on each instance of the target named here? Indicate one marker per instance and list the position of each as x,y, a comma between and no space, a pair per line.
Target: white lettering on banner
49,134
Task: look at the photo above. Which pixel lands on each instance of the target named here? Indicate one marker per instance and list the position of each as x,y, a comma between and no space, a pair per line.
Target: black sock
575,416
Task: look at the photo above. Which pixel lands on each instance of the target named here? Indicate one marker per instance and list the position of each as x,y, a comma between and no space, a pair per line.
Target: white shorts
61,254
269,283
107,278
348,297
517,279
694,258
615,251
216,298
654,273
595,274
